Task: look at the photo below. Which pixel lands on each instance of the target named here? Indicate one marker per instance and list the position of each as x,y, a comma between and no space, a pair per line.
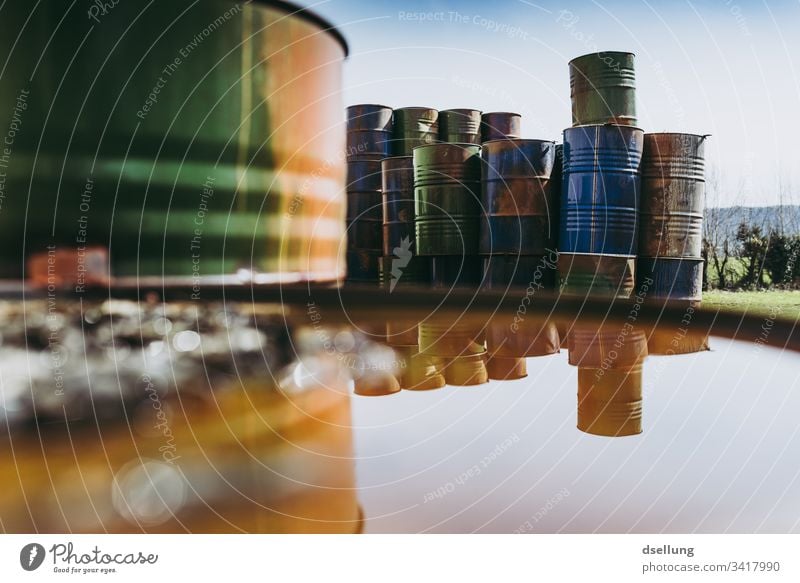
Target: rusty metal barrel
497,125
673,195
460,126
593,275
400,263
670,278
500,368
194,166
414,126
369,131
364,220
520,206
603,89
610,401
447,205
466,371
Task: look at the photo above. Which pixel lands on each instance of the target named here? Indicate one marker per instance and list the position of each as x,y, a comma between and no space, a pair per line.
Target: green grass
777,303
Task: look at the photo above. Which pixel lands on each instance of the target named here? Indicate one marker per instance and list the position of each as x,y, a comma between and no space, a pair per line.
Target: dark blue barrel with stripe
673,278
601,189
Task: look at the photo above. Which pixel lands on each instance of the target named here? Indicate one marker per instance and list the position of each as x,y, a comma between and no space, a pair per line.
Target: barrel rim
603,125
517,140
371,104
416,108
462,145
614,255
461,110
483,113
703,136
309,15
595,53
403,157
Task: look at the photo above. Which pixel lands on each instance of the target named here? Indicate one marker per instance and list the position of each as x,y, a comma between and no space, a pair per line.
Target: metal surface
363,266
496,125
673,195
464,271
369,131
414,126
404,271
602,276
610,401
447,204
186,153
419,372
520,271
601,190
520,206
610,346
679,279
460,126
466,371
398,204
499,368
603,89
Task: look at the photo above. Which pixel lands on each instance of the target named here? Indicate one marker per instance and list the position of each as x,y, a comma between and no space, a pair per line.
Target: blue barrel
601,189
672,278
520,207
369,131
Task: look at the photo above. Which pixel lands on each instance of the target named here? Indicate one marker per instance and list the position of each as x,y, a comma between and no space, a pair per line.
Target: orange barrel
500,368
610,401
608,346
466,371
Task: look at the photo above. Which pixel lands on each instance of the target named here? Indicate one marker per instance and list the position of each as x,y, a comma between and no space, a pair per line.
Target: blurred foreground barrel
603,89
460,126
202,159
400,264
497,125
414,126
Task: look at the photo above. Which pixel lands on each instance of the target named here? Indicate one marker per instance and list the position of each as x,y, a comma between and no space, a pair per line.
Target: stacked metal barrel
673,193
369,138
600,201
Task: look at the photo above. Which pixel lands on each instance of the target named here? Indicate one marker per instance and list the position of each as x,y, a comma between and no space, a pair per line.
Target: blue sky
730,68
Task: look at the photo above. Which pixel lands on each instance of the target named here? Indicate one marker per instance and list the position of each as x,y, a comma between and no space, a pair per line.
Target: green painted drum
603,89
447,199
460,126
192,140
414,126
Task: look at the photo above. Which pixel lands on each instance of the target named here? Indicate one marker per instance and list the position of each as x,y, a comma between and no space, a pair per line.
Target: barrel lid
311,16
603,52
704,136
369,104
461,110
517,141
500,113
603,125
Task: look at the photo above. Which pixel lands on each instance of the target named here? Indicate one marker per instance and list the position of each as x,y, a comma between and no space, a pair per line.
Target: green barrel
460,126
414,126
603,89
447,199
190,139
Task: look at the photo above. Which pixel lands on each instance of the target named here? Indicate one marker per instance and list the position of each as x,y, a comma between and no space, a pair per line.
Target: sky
729,68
